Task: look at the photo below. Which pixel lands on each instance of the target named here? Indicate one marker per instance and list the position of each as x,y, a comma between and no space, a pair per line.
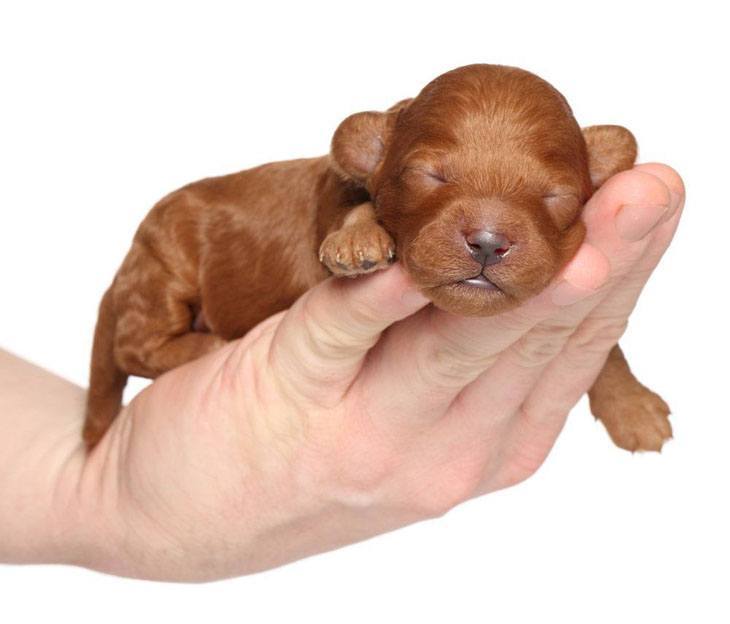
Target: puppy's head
481,180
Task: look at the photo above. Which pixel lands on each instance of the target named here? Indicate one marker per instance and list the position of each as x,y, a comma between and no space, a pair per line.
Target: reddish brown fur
481,147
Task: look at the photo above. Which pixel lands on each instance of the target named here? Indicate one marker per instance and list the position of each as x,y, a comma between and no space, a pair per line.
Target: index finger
320,343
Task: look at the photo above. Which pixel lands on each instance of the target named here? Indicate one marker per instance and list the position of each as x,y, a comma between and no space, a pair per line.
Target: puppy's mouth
472,295
480,281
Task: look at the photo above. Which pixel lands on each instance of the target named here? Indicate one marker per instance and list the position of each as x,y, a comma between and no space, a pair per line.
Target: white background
104,110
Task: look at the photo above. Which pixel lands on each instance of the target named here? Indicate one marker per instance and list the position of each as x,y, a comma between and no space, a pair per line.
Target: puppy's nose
487,247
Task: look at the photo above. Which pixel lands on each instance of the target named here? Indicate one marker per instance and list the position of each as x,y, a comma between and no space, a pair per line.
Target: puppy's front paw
356,249
637,420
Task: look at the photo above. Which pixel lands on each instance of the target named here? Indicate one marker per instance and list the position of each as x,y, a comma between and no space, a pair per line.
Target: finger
444,353
622,300
572,372
527,358
321,341
589,345
631,261
423,363
622,224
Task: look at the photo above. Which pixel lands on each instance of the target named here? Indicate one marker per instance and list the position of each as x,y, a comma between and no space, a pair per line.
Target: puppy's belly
231,317
234,304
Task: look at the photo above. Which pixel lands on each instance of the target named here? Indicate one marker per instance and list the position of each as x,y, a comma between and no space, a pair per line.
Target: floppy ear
358,145
610,149
360,141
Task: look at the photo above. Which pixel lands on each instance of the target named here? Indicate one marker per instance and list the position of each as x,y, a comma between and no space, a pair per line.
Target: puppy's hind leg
149,357
636,418
156,333
145,328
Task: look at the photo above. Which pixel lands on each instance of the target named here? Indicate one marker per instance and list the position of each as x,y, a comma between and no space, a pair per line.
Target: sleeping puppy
476,186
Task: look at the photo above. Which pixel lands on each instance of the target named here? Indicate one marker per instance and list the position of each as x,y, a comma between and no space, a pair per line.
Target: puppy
476,185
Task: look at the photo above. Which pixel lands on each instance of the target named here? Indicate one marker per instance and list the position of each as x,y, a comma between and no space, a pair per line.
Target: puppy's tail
107,380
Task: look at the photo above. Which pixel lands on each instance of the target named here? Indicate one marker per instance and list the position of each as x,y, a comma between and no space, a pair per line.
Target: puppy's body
237,247
478,183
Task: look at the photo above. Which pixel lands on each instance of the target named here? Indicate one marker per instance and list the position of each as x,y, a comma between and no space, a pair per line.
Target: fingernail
634,222
565,293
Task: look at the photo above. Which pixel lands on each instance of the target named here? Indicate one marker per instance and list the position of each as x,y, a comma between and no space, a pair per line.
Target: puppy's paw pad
357,249
638,421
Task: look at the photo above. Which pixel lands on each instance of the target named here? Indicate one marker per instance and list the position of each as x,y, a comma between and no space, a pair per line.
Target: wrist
41,460
40,518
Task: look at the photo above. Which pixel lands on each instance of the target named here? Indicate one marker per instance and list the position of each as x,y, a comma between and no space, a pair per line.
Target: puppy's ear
359,145
360,141
610,149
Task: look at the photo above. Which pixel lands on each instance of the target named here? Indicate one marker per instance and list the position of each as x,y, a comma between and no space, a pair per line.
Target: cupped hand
362,409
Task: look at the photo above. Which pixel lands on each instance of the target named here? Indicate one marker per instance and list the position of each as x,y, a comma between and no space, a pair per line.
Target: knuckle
355,474
598,334
436,495
449,366
524,466
435,503
321,339
542,344
363,474
528,455
364,313
452,360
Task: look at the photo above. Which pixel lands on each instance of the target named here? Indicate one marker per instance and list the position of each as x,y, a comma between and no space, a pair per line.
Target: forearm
40,463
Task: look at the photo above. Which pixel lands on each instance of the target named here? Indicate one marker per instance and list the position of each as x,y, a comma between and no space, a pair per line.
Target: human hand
360,410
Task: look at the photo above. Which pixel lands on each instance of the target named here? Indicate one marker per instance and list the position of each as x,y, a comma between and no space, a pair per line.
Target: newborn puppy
476,185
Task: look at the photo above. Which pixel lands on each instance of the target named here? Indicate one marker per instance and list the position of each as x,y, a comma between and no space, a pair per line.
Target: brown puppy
477,185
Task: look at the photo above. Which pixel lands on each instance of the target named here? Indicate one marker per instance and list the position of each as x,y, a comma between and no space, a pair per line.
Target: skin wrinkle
482,147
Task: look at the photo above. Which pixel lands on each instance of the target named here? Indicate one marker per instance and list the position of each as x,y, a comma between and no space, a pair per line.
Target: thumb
321,342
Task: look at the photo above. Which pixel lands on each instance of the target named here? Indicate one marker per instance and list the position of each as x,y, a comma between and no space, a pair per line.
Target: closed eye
427,174
436,176
559,194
